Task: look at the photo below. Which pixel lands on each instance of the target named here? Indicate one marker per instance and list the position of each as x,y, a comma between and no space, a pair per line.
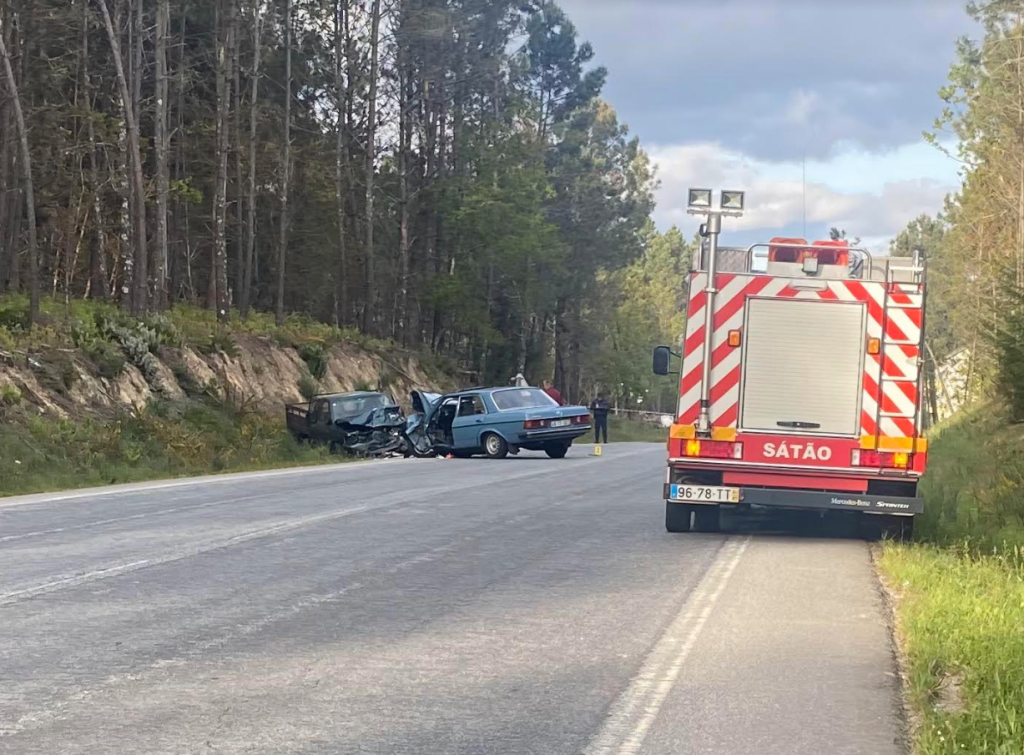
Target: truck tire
495,446
707,518
677,517
880,527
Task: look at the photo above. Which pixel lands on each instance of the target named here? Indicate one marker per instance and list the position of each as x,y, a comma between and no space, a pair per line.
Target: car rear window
522,398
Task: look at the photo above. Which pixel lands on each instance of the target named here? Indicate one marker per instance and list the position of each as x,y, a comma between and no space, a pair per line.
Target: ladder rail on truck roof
875,468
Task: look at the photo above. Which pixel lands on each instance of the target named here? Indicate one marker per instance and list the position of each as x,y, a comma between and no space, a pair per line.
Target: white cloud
890,189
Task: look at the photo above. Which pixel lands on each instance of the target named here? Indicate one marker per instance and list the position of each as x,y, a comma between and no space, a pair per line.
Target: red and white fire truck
800,384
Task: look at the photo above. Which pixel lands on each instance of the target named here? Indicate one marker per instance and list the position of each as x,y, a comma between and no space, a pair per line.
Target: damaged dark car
362,423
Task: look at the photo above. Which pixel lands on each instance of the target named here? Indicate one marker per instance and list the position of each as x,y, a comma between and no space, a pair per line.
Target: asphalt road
418,607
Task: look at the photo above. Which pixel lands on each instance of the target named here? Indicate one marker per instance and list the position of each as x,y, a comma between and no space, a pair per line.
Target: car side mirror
662,360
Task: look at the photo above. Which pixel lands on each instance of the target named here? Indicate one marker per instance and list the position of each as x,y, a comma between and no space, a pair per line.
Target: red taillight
713,449
881,459
535,424
581,419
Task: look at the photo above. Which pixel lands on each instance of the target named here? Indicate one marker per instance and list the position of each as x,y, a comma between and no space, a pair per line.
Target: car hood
424,403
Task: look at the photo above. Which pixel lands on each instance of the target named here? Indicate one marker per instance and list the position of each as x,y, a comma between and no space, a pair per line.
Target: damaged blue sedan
493,422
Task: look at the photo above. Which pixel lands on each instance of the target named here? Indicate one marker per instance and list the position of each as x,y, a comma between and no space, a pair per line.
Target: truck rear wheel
682,517
881,527
677,517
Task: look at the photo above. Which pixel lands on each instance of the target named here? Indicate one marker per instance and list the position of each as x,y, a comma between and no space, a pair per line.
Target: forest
975,245
440,173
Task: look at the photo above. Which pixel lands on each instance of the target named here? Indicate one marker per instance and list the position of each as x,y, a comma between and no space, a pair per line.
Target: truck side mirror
662,360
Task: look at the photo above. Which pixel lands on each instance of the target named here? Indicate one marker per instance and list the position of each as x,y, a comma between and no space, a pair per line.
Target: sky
740,94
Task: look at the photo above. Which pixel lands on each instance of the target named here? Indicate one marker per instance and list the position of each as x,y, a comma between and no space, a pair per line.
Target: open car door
423,407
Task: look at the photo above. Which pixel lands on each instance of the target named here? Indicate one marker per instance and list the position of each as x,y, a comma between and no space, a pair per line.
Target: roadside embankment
959,591
93,396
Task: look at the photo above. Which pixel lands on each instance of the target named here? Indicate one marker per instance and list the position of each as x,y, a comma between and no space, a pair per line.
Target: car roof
490,389
352,394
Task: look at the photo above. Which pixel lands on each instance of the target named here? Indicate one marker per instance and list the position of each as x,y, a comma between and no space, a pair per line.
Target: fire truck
799,383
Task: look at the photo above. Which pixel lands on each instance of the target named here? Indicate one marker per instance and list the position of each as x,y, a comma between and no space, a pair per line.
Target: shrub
222,341
107,357
14,313
308,387
164,329
7,338
315,357
9,395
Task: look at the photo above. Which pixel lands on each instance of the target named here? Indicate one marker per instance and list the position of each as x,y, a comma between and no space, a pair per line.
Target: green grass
961,604
621,430
962,623
61,323
168,439
974,485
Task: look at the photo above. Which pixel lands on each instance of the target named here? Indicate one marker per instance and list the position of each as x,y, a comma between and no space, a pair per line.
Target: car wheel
557,450
495,446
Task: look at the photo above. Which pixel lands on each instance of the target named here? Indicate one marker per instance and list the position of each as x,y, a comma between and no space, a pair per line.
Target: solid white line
143,487
195,550
636,709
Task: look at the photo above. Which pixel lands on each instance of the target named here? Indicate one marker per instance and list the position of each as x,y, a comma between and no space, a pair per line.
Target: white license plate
561,422
704,493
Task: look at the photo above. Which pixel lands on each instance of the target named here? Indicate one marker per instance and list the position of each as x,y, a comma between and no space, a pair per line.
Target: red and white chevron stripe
890,378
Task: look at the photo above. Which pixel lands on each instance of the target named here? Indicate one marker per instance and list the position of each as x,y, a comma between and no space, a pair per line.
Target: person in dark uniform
599,408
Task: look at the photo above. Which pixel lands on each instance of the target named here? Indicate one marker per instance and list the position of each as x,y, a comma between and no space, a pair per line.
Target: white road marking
195,550
144,487
36,499
636,709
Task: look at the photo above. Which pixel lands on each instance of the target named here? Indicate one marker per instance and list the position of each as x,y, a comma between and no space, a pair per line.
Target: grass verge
961,624
167,439
621,430
960,591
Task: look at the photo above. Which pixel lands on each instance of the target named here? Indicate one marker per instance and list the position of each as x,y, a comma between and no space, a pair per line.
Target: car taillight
581,419
713,449
535,424
880,459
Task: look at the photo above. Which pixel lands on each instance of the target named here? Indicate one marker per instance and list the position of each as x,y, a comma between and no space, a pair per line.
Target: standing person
599,408
553,392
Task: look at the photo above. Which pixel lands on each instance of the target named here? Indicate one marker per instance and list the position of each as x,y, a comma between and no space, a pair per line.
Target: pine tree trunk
371,142
236,149
340,162
163,22
219,285
140,300
286,168
29,187
404,141
5,157
250,225
10,233
98,283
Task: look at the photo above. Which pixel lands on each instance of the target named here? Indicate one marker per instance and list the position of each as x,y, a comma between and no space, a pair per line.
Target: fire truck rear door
803,366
